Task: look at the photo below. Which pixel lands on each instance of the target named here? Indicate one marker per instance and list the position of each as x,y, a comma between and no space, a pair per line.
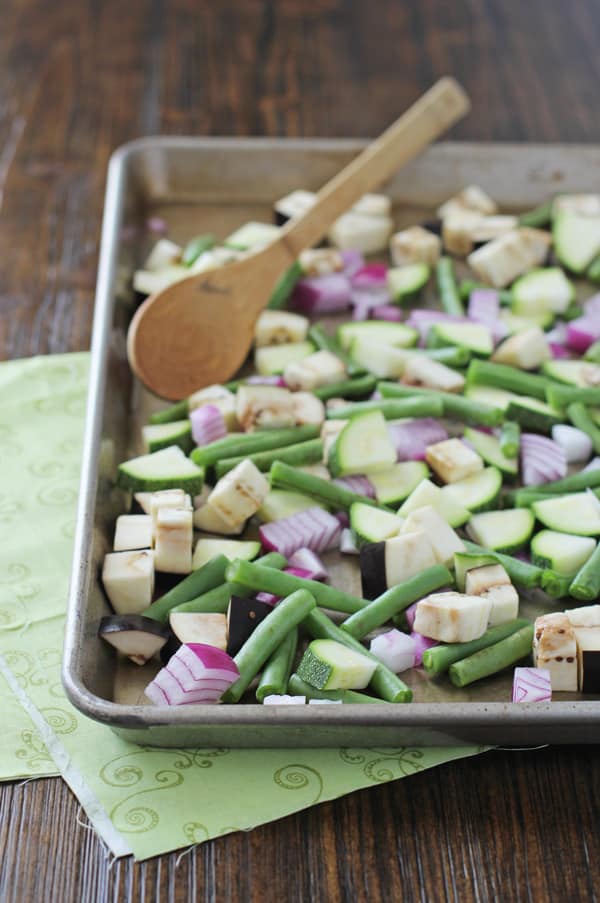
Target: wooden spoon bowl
199,330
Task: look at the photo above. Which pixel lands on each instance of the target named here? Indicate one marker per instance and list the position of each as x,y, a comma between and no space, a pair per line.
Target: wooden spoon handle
438,109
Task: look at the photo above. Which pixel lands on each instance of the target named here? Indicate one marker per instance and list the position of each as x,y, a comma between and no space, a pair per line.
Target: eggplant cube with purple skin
586,624
555,648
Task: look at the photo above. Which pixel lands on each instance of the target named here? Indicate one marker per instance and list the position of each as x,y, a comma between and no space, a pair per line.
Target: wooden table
76,80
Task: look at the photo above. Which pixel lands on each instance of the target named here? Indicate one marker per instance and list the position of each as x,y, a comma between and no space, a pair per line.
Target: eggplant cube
167,498
128,579
501,261
470,198
452,617
137,637
318,369
173,540
209,520
321,261
452,460
200,627
505,604
555,648
308,409
355,231
277,327
527,349
588,658
423,371
443,539
479,580
588,616
415,245
133,531
240,493
243,617
260,407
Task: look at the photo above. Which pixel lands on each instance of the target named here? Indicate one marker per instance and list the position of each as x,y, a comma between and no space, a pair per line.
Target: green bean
572,312
593,353
486,373
447,288
195,247
455,407
298,687
391,409
510,436
277,670
470,285
577,482
524,498
207,577
438,659
249,443
555,584
270,581
493,659
586,582
285,287
347,388
384,682
593,271
217,599
283,476
538,217
310,452
560,396
452,356
326,342
579,417
177,411
266,638
521,572
396,599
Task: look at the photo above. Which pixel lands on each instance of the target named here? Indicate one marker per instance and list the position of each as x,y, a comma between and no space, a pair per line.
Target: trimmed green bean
391,409
325,342
579,417
572,312
555,584
217,599
267,580
521,572
207,577
492,659
285,286
298,687
276,673
177,411
309,452
249,443
266,638
384,682
396,599
510,438
593,353
593,271
501,376
282,476
586,582
455,407
438,659
452,356
577,482
195,247
560,396
447,288
538,217
347,388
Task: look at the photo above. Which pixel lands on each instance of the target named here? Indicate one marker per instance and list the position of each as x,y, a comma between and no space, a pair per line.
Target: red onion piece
593,465
353,262
410,614
542,460
196,673
370,276
348,543
321,294
484,308
313,528
342,519
388,312
421,644
411,439
583,332
531,685
395,649
258,380
299,572
357,483
308,561
592,306
422,320
557,351
208,424
576,444
269,598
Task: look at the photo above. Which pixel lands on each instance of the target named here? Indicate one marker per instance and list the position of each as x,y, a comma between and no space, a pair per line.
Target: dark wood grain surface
78,78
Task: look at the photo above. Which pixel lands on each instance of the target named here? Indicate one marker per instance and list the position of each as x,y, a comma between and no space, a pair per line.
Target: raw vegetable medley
450,451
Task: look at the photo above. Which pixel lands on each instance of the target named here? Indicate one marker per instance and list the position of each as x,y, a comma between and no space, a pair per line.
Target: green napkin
141,800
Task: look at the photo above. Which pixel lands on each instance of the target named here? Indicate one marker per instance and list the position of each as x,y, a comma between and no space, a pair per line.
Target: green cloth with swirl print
141,800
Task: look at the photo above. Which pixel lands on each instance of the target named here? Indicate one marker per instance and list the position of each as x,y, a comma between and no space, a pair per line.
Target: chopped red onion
542,460
388,312
423,319
410,613
484,308
208,424
532,685
576,444
357,483
592,306
371,276
421,644
411,438
258,380
348,543
321,294
353,261
284,699
196,673
312,528
299,572
308,561
157,225
394,649
593,465
268,598
583,332
558,351
342,518
558,334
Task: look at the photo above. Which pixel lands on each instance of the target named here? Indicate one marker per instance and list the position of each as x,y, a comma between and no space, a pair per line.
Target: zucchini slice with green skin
477,492
427,493
273,359
467,561
577,513
541,291
165,469
488,446
407,281
517,323
396,334
496,398
562,552
206,549
474,336
328,665
396,484
533,414
573,373
502,531
576,239
373,525
282,503
363,445
162,435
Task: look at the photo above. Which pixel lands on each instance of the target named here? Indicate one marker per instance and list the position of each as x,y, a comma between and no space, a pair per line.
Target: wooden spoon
198,331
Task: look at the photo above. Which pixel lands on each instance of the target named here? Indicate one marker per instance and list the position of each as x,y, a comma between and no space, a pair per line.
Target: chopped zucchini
363,446
541,291
230,548
427,493
576,239
562,552
488,446
577,513
162,435
533,414
273,359
517,323
477,492
165,469
394,485
396,334
373,525
328,665
405,282
502,531
281,503
573,373
474,336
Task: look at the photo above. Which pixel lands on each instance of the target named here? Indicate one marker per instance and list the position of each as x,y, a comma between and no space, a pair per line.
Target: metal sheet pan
214,185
